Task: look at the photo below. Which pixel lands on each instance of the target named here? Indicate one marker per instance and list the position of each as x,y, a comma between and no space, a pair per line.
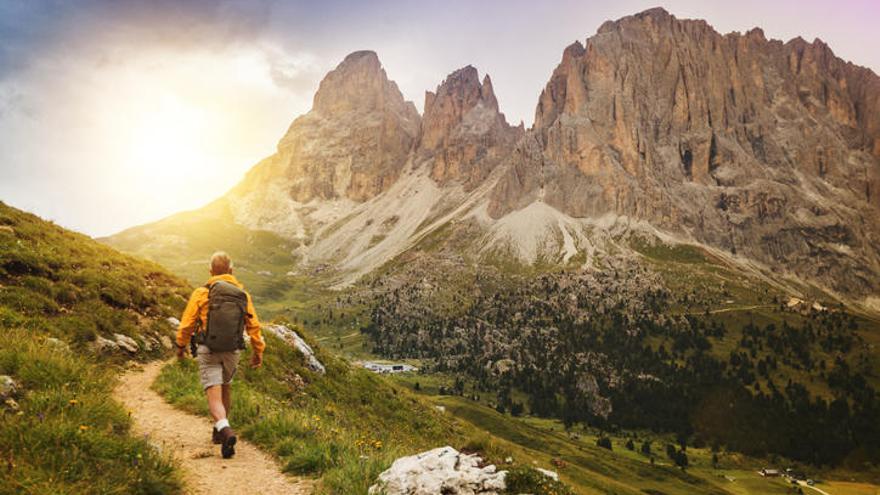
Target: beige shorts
216,368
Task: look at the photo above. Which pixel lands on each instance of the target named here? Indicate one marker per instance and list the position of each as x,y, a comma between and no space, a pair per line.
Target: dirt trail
188,438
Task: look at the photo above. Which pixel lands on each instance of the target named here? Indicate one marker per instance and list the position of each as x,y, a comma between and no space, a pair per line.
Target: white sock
223,423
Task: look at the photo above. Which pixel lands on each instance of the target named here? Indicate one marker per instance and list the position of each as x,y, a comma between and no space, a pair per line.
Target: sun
166,142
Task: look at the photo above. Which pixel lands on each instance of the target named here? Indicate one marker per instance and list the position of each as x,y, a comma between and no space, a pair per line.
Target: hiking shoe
227,446
215,436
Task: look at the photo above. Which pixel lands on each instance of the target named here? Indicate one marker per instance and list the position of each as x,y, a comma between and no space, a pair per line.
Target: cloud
14,103
296,72
34,30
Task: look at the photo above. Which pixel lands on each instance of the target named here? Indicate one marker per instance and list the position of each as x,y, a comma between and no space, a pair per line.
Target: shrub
523,479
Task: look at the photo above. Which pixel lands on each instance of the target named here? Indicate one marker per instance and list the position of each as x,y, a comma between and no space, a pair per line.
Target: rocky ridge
762,148
766,153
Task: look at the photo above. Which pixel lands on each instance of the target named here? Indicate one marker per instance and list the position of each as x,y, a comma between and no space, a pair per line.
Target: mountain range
766,154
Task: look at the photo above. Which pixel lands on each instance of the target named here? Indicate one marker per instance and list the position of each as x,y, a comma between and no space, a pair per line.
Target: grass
591,469
345,427
66,436
184,243
61,432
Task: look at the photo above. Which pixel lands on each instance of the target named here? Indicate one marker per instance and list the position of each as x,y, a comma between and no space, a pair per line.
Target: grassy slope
737,300
734,298
60,291
346,426
184,242
596,470
68,436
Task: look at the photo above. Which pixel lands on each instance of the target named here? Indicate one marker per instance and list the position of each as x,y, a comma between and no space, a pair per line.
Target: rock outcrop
762,148
8,387
442,470
352,145
463,133
294,340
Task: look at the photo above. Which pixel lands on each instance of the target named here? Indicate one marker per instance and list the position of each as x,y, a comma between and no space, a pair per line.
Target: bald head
220,263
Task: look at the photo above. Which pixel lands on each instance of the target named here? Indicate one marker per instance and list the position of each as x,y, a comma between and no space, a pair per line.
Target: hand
181,352
256,360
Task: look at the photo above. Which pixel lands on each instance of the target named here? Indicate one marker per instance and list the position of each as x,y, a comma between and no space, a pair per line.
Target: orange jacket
197,312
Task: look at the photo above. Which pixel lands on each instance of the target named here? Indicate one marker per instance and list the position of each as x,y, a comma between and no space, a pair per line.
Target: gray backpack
227,310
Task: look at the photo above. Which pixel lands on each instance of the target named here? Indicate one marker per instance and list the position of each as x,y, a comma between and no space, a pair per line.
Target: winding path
188,438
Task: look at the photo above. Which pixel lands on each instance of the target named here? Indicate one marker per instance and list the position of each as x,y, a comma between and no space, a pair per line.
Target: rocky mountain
464,135
765,153
350,148
761,148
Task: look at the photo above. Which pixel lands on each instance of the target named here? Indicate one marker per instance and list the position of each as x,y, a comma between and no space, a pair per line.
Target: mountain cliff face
349,148
761,148
463,132
766,152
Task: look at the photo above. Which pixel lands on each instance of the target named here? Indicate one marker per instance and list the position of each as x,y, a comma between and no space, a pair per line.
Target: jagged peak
454,98
358,83
360,55
487,93
655,12
573,50
464,84
756,32
467,76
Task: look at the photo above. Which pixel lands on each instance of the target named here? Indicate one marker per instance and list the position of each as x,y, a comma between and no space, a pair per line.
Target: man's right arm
190,317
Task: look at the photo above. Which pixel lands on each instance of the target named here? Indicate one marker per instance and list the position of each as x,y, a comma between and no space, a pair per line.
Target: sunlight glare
166,143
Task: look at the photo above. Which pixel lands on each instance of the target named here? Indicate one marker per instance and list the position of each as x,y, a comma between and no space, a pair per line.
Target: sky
115,113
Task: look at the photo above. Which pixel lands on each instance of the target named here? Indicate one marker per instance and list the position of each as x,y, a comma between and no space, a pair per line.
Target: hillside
76,313
66,304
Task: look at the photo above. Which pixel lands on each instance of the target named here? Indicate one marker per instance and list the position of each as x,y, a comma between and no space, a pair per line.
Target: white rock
8,386
550,474
442,470
174,322
165,341
126,342
293,338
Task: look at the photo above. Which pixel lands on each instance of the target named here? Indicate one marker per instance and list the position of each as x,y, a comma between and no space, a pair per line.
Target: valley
665,285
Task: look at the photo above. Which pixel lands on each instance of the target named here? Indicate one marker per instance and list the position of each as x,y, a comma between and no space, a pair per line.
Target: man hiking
215,319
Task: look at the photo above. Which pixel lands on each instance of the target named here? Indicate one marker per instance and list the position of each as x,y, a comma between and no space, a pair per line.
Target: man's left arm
252,326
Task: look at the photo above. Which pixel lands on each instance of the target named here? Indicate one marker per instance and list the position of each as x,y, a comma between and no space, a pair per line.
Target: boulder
126,342
8,386
442,470
292,338
550,474
174,322
102,344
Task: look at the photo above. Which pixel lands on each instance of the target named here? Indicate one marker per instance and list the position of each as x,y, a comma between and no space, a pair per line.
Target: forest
595,348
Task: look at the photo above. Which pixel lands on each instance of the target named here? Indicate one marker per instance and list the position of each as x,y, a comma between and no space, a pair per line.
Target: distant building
388,367
770,473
